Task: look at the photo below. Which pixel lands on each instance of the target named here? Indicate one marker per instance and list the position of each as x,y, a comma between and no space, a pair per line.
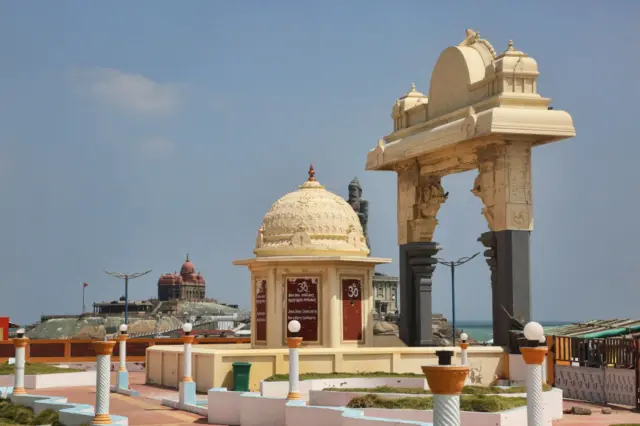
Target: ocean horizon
483,330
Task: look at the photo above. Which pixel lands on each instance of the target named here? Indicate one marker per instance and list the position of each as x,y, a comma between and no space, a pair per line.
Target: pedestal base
187,393
122,380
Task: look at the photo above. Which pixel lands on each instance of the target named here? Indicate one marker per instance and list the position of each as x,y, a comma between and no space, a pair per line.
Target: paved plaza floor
618,416
143,410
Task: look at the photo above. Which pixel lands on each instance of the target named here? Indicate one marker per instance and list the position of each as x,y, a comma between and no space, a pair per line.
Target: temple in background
187,285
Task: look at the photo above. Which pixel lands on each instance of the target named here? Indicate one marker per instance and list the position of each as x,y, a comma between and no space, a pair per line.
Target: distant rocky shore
442,331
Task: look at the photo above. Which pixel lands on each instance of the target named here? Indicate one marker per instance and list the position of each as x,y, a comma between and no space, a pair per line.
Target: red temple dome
187,267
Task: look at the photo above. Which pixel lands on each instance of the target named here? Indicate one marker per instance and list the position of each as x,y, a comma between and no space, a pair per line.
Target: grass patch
13,414
475,403
467,390
35,368
312,376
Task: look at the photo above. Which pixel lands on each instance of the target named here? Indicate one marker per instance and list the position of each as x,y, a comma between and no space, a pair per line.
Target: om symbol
353,291
303,287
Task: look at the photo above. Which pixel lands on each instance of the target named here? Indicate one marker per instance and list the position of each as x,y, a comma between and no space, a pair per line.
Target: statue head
355,190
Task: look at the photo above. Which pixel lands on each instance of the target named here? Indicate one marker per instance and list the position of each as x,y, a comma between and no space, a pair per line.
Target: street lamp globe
123,328
533,331
187,327
464,337
294,326
20,332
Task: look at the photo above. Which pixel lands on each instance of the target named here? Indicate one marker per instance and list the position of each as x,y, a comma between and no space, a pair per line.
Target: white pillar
20,344
187,359
446,383
534,357
123,353
187,388
103,352
446,410
464,359
294,367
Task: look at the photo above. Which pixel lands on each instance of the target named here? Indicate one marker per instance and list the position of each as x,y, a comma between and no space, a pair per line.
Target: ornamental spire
312,173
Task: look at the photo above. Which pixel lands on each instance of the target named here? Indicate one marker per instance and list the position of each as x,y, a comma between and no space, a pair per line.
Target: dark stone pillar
508,257
416,269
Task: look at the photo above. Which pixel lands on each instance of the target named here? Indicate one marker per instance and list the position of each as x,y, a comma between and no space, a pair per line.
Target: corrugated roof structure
594,326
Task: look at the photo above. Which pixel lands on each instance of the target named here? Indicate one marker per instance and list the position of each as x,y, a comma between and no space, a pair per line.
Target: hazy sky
134,132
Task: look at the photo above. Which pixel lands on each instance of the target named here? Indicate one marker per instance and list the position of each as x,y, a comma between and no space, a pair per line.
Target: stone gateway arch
483,112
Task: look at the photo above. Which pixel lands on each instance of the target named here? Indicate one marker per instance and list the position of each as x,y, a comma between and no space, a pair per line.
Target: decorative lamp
294,326
20,333
187,327
124,328
464,337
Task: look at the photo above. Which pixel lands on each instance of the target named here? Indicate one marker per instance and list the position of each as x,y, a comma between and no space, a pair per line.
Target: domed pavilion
312,264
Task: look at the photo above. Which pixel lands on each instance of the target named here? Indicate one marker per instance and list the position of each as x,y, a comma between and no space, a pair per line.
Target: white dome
311,221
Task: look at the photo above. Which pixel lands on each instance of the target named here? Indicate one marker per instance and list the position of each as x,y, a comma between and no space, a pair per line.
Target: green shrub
311,376
476,403
467,390
17,414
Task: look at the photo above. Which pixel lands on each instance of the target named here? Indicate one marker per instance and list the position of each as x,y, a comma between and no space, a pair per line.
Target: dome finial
413,87
187,257
312,173
510,47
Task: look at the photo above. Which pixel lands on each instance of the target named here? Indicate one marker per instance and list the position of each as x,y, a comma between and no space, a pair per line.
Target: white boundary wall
43,381
251,409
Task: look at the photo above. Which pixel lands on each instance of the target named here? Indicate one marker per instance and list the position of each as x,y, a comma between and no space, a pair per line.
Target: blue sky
134,132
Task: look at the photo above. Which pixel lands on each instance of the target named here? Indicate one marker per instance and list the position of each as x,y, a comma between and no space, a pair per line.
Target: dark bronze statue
360,206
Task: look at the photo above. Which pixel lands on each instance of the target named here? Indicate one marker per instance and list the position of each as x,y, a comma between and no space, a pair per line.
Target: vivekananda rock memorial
312,263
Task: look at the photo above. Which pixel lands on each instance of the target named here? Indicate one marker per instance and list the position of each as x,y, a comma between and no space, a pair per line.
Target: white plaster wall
42,381
224,406
313,416
518,369
260,411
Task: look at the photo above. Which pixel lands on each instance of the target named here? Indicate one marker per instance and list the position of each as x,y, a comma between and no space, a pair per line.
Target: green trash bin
241,376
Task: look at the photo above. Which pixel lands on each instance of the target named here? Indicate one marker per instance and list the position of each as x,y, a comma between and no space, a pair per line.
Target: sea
482,331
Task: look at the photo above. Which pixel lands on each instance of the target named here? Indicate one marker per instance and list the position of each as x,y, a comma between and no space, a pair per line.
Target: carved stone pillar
419,200
416,270
504,186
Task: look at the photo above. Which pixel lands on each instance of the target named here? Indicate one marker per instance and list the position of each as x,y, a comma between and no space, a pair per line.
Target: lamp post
84,286
20,344
126,278
446,382
534,355
123,374
464,360
452,264
187,385
294,360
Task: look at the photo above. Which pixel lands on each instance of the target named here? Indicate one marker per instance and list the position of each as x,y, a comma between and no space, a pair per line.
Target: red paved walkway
619,415
143,410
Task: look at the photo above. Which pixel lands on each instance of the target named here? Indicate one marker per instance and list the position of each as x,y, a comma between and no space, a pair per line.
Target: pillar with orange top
122,379
20,344
103,350
294,360
534,356
187,393
464,345
446,382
